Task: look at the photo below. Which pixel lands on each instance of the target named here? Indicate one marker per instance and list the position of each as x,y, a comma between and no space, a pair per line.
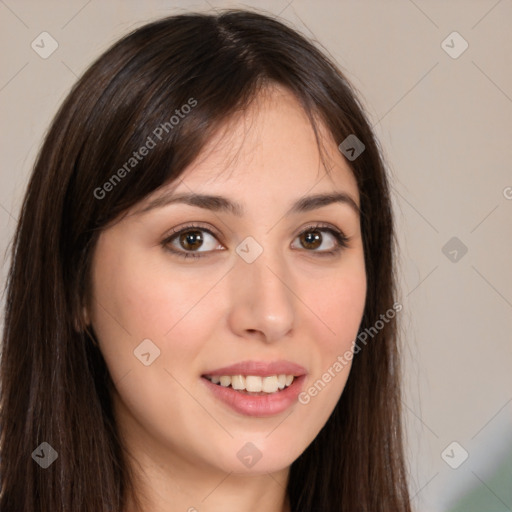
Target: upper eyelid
187,227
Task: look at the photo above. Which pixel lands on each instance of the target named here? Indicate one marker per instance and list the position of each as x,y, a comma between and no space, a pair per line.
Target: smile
253,384
256,388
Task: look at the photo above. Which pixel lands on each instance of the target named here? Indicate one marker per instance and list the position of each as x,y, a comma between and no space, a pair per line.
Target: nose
262,299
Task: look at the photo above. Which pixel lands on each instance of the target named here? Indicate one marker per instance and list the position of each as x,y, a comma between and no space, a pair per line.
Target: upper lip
260,368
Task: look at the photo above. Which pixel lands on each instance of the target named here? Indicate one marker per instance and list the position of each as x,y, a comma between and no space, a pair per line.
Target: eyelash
340,238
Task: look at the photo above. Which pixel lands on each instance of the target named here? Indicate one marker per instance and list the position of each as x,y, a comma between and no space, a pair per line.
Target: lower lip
258,405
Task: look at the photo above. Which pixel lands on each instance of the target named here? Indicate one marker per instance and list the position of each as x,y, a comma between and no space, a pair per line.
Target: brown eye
322,240
311,239
191,240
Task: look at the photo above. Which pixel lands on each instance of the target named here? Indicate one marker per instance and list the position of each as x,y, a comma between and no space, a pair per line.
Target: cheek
136,301
339,306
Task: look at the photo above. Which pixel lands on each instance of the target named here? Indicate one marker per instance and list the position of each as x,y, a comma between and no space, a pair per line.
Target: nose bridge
262,299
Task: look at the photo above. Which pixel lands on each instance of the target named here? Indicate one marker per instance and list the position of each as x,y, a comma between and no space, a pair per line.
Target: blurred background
436,80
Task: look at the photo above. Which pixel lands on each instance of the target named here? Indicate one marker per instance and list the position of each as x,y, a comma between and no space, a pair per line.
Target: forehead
272,140
268,149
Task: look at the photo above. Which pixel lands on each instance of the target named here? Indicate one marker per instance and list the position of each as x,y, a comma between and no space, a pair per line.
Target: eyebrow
223,204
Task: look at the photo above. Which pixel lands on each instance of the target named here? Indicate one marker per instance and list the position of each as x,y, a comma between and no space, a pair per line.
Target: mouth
253,385
253,388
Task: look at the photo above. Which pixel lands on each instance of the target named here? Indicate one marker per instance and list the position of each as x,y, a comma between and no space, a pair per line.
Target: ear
85,316
83,321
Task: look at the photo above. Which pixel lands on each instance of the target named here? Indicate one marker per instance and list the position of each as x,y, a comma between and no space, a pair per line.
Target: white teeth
225,381
270,384
238,382
254,383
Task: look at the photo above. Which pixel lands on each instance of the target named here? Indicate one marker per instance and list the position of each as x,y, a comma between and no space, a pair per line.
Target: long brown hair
55,386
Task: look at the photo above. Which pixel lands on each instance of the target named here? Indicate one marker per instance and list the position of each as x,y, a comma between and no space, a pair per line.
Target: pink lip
260,368
257,405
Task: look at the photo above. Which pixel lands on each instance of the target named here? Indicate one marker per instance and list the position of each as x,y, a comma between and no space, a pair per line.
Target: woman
179,337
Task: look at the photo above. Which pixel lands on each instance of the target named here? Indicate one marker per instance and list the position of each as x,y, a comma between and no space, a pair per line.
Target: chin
257,455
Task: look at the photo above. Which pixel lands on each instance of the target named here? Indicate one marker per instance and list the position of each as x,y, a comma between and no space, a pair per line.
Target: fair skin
291,303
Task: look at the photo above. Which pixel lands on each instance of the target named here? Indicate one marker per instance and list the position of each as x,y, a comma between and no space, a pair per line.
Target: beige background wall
445,124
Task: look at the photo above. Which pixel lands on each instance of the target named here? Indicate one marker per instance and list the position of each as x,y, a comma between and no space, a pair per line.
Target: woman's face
264,295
